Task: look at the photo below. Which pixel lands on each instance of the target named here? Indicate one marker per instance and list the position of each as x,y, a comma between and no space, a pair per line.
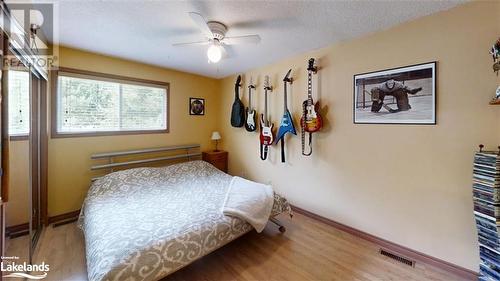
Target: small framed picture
403,95
196,106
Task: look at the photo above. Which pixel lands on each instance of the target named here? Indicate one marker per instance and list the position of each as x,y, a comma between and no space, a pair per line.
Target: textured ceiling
144,30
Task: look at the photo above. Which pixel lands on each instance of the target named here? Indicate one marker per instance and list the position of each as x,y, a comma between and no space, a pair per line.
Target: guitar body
238,110
311,121
266,133
250,124
238,114
286,126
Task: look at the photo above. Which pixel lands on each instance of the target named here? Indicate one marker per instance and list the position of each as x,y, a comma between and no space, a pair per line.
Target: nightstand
216,158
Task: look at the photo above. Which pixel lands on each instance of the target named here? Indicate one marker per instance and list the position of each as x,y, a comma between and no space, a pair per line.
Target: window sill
19,138
108,133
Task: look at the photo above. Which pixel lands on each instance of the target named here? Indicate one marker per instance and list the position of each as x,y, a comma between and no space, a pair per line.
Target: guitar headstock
238,81
251,85
312,66
267,85
287,77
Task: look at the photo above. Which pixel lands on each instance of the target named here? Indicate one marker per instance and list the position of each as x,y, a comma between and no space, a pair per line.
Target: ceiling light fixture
214,52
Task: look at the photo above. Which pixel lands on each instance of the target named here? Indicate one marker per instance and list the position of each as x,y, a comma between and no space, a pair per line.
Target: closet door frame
4,145
38,139
44,159
34,163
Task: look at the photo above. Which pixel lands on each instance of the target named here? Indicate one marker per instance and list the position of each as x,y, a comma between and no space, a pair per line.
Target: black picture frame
394,110
197,106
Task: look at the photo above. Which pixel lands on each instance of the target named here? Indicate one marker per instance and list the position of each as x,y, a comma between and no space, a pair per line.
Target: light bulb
214,53
36,18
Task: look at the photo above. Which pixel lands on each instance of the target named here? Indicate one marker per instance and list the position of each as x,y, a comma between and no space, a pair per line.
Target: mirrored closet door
27,112
23,186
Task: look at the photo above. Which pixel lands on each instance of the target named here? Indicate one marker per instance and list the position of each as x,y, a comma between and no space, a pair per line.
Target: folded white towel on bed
250,201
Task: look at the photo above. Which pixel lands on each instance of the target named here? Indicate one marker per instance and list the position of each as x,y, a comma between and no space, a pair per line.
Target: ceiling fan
216,37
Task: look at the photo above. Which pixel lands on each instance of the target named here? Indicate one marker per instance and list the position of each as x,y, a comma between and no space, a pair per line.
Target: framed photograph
196,106
404,95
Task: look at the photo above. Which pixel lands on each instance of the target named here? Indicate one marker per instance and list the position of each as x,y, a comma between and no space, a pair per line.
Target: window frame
109,78
21,137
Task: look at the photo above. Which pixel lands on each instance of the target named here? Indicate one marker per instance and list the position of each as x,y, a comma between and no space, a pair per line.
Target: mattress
145,223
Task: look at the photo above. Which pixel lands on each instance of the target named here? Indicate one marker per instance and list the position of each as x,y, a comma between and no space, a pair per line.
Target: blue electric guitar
286,125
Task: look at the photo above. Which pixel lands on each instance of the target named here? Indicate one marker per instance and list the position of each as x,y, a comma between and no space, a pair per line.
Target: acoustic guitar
286,125
266,127
238,110
250,120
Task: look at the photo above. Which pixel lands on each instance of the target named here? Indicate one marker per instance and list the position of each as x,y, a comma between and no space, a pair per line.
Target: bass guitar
286,125
266,127
250,120
311,120
238,110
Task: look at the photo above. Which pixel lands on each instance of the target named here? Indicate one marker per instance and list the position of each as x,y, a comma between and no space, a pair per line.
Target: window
19,104
99,105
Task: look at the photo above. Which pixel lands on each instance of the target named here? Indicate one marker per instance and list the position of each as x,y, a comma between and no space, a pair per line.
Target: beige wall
408,184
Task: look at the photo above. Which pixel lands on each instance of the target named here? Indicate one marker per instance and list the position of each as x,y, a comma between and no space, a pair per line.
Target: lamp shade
216,136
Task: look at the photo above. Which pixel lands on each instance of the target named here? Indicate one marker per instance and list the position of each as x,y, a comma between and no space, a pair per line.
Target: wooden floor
309,250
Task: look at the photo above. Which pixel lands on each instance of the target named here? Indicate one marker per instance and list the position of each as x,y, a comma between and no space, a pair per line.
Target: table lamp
216,137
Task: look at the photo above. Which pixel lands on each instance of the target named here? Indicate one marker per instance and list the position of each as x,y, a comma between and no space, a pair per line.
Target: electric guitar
311,121
286,125
238,110
250,120
266,127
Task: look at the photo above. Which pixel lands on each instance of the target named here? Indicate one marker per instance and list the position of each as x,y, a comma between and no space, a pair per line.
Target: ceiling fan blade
247,39
191,43
202,24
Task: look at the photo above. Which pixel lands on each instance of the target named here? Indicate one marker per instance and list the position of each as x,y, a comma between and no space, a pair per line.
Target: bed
146,223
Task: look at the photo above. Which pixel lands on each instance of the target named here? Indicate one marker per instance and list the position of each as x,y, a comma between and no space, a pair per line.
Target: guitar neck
265,107
309,88
286,97
250,97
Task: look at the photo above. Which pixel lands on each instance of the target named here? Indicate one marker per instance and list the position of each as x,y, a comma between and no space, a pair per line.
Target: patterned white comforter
145,223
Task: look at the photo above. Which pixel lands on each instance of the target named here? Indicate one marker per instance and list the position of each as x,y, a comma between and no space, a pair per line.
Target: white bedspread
249,201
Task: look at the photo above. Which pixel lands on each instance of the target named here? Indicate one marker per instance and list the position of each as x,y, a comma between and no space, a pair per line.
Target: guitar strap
283,149
303,136
309,144
263,151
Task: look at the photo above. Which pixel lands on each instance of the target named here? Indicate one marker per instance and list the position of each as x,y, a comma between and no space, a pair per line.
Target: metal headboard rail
187,154
142,151
158,159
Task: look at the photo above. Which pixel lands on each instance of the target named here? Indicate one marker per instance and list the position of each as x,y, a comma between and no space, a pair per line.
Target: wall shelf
495,102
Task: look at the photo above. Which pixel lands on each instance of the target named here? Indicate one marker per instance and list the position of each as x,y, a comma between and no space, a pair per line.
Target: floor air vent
397,257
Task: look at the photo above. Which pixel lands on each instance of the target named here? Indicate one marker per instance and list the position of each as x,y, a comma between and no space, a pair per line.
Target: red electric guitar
266,127
311,120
